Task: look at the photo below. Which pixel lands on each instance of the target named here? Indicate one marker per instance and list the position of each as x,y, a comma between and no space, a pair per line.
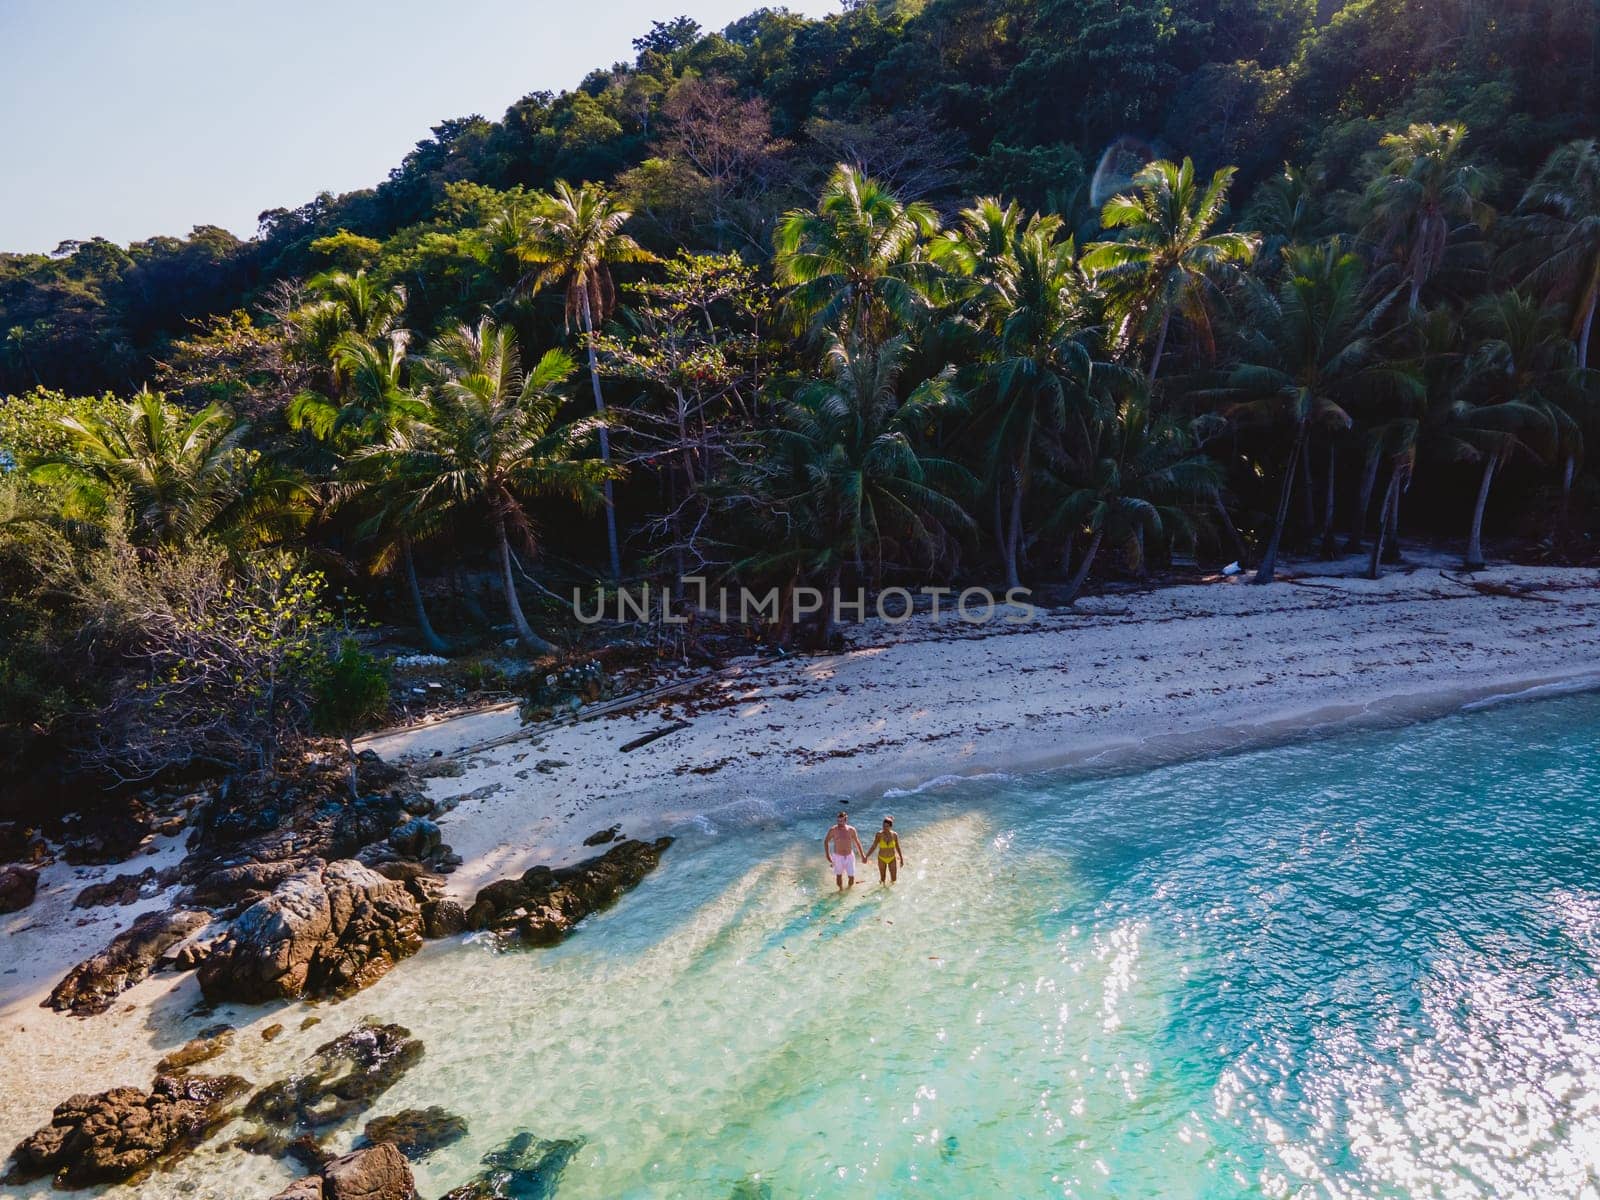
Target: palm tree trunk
1269,561
605,437
1358,526
1327,504
525,631
1308,486
1391,538
1474,560
1078,579
1391,495
1240,551
1014,547
1161,345
1586,326
430,639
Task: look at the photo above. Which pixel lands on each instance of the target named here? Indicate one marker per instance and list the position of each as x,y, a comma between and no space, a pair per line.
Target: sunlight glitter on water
1363,967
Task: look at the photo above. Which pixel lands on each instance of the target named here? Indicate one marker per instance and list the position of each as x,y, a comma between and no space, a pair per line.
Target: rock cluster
543,904
418,1132
341,1079
524,1168
329,929
92,985
119,1134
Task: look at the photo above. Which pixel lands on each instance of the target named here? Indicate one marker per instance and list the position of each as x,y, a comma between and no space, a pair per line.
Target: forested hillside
1032,292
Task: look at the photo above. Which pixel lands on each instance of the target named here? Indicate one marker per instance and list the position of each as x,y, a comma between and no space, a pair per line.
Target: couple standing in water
841,844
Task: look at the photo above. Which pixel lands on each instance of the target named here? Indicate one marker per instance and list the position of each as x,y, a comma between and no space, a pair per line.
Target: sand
1115,681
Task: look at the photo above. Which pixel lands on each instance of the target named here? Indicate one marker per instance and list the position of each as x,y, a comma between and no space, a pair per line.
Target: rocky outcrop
95,983
376,1173
341,1079
18,886
120,1134
543,904
418,1132
525,1168
21,844
443,917
329,929
125,889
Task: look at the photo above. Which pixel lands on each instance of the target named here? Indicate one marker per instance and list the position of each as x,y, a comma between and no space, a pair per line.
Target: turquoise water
1356,967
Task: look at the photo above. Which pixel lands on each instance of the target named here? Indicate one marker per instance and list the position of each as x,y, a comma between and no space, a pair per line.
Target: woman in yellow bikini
887,847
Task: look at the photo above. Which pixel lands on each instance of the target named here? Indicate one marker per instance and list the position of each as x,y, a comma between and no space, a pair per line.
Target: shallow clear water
1363,966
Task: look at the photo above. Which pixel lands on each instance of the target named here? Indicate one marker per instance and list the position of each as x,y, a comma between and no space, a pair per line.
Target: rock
107,836
603,836
18,886
543,905
123,889
364,821
119,1134
418,1132
309,1152
92,985
373,774
443,918
418,804
271,1032
19,844
525,1168
236,886
201,1049
328,930
416,838
309,1188
342,1077
376,1173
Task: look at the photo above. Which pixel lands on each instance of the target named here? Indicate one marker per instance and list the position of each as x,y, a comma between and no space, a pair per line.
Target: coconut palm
573,239
1511,398
857,265
341,303
1424,192
181,475
1142,477
486,440
372,391
1030,305
846,482
1168,260
1560,257
1308,348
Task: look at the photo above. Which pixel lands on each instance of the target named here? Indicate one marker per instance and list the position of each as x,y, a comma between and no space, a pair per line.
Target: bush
351,694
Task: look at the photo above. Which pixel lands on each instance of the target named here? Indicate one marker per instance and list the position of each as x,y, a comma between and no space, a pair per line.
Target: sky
127,119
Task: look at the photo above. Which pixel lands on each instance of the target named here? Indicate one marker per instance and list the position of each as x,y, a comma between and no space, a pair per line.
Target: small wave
944,781
1561,687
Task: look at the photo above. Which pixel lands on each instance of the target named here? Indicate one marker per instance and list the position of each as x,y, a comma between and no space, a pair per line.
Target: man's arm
857,838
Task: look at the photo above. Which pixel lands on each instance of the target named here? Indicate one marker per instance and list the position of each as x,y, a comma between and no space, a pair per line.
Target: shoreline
1118,684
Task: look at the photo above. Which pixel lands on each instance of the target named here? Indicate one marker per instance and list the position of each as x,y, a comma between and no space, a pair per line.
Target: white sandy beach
1116,680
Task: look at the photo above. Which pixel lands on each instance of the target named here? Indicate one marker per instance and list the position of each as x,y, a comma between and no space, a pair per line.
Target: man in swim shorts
841,844
887,847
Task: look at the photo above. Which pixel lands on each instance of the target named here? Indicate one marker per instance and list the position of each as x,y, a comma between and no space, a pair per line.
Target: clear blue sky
130,118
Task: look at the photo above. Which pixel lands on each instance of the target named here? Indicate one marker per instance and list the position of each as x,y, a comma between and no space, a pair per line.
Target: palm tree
1284,210
573,238
1424,191
1030,305
486,439
1309,348
1168,260
343,304
1511,397
182,475
1560,212
858,265
372,391
1143,477
846,482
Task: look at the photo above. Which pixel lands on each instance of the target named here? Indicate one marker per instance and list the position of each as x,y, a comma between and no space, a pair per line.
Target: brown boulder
119,1134
18,886
92,985
327,930
377,1173
309,1188
543,904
